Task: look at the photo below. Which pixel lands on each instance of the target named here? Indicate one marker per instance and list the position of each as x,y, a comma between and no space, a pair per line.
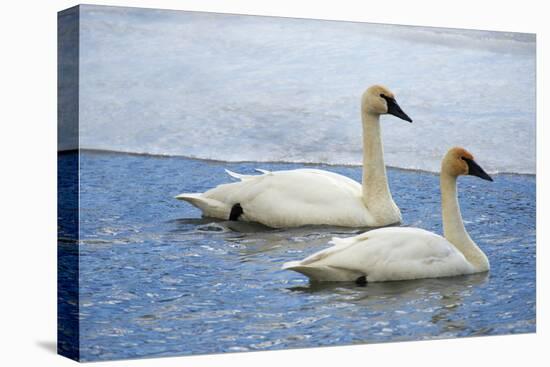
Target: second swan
399,253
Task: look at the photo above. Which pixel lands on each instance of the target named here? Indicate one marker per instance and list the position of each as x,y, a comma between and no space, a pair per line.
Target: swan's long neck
453,226
376,192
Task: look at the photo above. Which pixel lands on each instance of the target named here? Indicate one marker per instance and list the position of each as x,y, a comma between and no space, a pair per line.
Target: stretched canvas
158,104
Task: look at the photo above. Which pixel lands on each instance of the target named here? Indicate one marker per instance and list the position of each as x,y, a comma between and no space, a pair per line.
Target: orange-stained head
458,161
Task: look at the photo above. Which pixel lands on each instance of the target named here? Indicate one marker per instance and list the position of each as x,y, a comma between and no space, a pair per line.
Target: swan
293,198
399,253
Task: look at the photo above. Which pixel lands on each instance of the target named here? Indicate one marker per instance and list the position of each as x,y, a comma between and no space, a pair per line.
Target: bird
294,198
401,253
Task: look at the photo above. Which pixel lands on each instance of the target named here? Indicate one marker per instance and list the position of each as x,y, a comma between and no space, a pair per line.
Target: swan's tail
209,207
292,265
314,273
322,273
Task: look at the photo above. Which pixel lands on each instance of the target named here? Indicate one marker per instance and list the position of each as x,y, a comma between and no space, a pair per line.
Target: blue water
158,280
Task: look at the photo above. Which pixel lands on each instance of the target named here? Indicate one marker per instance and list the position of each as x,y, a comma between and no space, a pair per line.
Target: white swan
392,253
299,197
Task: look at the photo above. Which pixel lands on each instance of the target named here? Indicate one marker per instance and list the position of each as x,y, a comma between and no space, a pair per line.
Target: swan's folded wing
326,265
242,177
406,253
339,245
337,179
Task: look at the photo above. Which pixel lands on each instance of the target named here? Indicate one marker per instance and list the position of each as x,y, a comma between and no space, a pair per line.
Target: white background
28,181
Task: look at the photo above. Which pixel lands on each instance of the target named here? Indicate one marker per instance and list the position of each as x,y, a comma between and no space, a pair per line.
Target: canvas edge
68,325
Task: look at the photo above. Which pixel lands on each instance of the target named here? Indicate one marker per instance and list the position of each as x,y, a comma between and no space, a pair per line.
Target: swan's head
380,100
458,161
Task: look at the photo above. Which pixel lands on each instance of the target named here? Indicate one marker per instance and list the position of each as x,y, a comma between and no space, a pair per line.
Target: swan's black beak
475,170
394,109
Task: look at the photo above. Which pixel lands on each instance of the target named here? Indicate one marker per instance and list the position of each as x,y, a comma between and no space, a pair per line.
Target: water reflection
444,297
253,227
254,238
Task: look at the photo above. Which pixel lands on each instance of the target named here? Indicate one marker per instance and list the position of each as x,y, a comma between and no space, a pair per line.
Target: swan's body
308,196
393,253
289,198
388,254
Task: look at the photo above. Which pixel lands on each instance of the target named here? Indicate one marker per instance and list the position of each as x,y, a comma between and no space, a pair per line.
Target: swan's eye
382,95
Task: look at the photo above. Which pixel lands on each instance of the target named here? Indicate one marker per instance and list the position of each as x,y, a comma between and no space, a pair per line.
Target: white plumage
385,254
287,199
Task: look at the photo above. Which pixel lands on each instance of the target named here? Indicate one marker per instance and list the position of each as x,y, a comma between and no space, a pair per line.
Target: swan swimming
293,198
398,253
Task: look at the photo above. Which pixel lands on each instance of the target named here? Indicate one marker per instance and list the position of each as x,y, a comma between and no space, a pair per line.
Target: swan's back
384,254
